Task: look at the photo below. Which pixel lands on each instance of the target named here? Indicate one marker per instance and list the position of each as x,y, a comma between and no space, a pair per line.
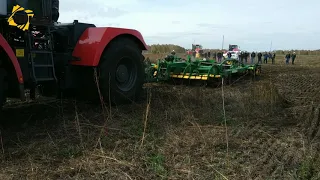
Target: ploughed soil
265,129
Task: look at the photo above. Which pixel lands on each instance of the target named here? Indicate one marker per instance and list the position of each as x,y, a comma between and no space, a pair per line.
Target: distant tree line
167,48
299,52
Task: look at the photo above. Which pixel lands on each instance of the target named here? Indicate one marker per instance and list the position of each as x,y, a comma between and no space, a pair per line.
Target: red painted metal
93,41
4,44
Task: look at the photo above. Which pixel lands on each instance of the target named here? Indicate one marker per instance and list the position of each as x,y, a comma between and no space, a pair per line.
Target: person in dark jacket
241,56
260,57
265,57
229,54
214,55
273,57
293,57
219,56
288,56
253,55
55,10
245,56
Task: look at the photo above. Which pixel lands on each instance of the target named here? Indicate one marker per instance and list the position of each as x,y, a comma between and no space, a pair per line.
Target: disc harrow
173,67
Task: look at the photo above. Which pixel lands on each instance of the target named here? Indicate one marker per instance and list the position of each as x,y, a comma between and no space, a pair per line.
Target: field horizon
167,48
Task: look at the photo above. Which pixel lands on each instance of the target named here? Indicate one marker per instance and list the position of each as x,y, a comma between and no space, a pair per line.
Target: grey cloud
110,12
233,25
93,8
157,38
176,22
79,5
211,26
182,34
108,25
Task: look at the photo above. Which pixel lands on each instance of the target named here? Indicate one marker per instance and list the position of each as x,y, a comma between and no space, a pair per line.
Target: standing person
219,56
265,56
241,56
209,53
229,54
293,57
288,55
246,54
253,55
260,57
273,57
270,55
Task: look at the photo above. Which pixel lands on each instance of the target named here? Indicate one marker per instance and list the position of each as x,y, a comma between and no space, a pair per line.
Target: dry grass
273,129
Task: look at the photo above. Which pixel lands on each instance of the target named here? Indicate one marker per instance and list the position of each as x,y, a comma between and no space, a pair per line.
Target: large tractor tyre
3,87
121,72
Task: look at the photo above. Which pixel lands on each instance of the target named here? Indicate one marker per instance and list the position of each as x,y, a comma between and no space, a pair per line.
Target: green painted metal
197,69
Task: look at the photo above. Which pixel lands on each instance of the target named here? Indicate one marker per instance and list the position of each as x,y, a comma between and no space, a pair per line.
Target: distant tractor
198,51
72,59
233,47
233,50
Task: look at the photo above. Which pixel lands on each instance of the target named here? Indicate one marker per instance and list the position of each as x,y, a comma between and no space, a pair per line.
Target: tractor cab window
231,47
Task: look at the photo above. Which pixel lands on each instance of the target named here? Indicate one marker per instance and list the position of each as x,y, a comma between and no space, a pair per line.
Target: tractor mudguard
94,40
7,49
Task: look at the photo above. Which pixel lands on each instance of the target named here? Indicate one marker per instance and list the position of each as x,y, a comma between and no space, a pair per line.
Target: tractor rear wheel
3,88
121,72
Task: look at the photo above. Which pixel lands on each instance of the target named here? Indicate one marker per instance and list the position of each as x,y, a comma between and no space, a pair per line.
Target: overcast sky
252,24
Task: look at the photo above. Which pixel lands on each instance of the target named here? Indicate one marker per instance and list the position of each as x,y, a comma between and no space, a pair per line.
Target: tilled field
268,129
300,86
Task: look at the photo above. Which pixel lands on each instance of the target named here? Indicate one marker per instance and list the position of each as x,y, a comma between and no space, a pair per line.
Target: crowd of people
261,57
290,56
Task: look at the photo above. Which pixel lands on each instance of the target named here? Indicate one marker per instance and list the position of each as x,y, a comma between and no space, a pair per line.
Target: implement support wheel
256,73
121,72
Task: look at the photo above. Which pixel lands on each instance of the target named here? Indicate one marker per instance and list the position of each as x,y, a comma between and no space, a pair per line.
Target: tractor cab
233,47
41,10
30,38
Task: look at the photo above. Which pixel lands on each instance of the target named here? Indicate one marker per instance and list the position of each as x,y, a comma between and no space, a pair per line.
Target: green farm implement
208,70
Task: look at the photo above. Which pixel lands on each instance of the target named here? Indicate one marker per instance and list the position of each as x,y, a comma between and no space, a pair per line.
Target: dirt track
273,132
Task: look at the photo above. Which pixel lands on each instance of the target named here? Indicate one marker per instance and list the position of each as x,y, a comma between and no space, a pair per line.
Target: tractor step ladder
43,69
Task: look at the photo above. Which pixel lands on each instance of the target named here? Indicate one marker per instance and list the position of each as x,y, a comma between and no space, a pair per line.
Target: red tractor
73,59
